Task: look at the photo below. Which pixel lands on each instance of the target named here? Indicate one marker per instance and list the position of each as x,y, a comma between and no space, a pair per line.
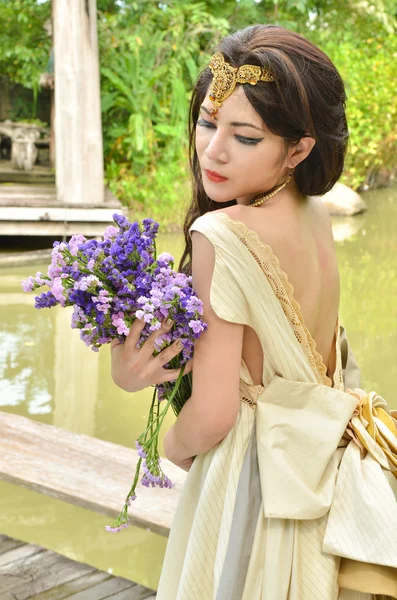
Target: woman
265,435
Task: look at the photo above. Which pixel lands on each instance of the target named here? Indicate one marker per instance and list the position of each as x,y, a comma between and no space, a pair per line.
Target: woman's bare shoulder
234,212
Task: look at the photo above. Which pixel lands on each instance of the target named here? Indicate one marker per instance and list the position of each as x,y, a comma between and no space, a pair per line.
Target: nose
216,150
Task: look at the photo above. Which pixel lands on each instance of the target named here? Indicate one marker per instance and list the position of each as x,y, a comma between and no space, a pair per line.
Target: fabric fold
299,426
321,449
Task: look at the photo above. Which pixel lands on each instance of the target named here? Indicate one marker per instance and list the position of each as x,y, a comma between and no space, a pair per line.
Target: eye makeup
247,141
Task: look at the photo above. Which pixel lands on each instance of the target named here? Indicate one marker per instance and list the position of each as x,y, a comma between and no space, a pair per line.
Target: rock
343,201
344,227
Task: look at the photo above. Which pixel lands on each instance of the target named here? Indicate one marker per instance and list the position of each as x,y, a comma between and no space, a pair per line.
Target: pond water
48,374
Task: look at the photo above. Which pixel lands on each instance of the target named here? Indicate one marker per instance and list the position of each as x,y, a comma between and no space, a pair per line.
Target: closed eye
240,138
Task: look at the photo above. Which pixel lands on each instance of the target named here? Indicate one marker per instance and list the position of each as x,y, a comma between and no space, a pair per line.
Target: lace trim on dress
285,295
249,393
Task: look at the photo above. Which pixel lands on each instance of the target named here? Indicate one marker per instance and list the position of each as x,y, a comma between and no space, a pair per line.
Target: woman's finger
134,334
146,352
168,375
114,343
172,374
167,354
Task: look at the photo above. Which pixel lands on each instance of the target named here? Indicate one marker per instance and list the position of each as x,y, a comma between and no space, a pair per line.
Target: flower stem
160,417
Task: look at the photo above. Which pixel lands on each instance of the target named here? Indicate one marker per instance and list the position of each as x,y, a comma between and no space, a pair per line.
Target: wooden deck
39,174
31,205
30,572
32,209
85,471
27,195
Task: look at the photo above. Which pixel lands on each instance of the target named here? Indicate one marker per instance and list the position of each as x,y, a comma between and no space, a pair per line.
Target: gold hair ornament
226,77
261,199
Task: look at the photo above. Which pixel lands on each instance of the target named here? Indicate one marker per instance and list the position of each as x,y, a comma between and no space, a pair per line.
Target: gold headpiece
226,77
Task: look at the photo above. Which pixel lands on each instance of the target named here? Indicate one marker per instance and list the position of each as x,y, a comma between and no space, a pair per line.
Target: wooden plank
9,544
27,191
45,195
38,573
5,167
71,587
139,592
106,589
48,213
51,228
19,550
55,577
85,471
26,176
21,553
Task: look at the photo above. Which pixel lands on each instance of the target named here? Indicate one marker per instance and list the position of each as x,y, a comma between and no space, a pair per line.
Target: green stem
150,420
161,416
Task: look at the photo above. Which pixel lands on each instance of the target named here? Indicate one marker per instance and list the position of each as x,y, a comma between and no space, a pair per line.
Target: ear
300,151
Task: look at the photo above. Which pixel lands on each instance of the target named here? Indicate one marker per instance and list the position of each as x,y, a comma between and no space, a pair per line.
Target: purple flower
110,232
197,326
165,257
119,322
58,290
86,283
140,449
194,304
28,284
75,242
45,300
112,282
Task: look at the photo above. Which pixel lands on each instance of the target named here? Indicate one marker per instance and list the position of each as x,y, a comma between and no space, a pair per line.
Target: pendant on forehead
226,77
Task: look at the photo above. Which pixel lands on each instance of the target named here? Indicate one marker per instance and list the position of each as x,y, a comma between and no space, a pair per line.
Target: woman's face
237,145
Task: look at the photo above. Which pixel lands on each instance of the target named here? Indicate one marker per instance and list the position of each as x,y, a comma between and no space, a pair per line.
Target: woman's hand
172,451
134,369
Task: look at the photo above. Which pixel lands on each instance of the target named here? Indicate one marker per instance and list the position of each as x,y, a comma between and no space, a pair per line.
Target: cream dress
289,505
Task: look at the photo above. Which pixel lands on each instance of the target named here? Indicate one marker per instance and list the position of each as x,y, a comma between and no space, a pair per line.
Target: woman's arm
211,411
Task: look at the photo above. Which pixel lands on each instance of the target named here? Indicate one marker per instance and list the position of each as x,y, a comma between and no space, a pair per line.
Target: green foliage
151,53
369,69
150,58
162,191
24,43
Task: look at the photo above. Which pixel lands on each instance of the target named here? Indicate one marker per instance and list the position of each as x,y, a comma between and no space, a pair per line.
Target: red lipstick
213,176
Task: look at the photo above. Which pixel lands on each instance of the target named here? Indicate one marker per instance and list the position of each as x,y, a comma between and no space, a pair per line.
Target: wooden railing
84,471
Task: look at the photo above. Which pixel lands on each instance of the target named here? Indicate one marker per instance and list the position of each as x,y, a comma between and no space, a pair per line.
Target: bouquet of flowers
110,283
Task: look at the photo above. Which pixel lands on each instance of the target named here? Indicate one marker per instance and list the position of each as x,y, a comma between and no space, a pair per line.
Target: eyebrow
234,123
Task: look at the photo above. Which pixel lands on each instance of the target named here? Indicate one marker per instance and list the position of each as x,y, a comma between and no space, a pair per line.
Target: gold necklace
261,199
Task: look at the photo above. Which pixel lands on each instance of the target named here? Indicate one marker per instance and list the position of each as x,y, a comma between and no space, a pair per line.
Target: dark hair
307,99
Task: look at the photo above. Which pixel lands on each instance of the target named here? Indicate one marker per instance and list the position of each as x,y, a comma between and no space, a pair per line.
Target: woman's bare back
302,239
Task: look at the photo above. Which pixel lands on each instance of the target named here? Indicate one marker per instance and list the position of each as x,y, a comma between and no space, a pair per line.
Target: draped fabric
299,500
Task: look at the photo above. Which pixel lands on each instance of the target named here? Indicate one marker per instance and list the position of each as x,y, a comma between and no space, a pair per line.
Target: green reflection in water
368,268
48,374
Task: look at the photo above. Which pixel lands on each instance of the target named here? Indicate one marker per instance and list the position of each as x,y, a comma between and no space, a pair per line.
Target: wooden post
78,130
